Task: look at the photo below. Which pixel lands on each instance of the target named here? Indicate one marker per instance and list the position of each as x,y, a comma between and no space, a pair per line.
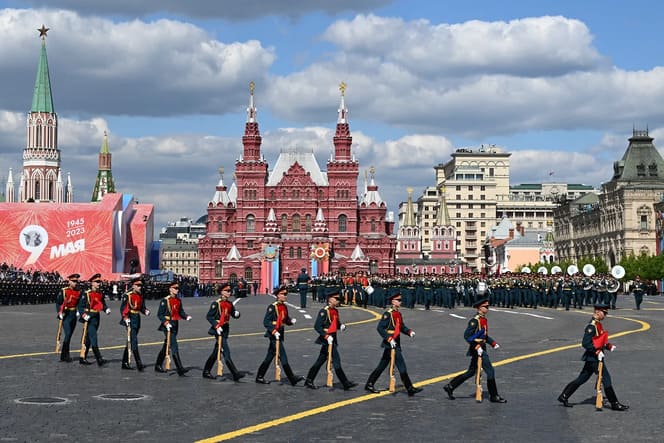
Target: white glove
277,335
330,340
107,311
168,326
480,351
412,334
60,316
293,321
342,327
600,356
147,312
496,346
612,348
236,314
188,318
78,314
393,344
219,330
127,321
86,317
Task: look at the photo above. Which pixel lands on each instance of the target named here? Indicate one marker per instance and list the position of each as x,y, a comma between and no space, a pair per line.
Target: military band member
638,292
595,342
219,315
390,327
276,317
477,336
328,324
67,307
90,305
170,313
131,308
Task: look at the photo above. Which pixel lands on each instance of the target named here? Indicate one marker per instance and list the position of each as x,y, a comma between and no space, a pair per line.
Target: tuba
618,272
572,269
542,270
588,270
525,270
556,270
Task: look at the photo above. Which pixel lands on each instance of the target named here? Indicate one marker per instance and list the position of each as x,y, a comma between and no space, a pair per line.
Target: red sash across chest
71,298
174,305
225,308
601,337
95,301
282,313
135,301
334,319
396,318
484,325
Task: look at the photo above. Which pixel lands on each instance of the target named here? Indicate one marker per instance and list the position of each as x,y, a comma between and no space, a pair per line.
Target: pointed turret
443,238
409,218
104,183
320,225
251,140
342,137
443,216
271,226
220,195
59,188
69,198
371,196
9,191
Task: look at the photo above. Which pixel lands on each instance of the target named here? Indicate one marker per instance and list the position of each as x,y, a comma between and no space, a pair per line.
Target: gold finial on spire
221,171
410,190
252,86
372,171
42,31
342,88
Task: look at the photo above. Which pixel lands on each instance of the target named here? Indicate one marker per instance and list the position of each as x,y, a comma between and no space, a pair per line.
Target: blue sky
560,84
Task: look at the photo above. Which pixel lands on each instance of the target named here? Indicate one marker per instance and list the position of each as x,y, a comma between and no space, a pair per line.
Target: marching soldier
219,316
638,292
276,317
390,327
170,313
131,307
66,306
595,342
477,336
303,280
89,306
327,325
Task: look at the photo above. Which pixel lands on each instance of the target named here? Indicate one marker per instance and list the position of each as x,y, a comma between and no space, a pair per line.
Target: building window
373,225
250,244
291,252
218,269
307,223
490,172
458,188
284,223
251,223
248,274
644,222
458,215
458,196
272,197
470,188
342,244
296,223
343,223
299,252
470,206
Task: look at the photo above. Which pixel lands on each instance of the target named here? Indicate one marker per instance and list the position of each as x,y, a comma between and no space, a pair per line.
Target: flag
550,173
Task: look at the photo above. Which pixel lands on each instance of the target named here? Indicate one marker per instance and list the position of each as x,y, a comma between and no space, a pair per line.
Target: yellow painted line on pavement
340,404
374,316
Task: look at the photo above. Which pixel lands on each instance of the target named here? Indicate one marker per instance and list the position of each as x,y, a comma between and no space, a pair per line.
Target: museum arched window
251,223
296,223
284,223
307,223
343,220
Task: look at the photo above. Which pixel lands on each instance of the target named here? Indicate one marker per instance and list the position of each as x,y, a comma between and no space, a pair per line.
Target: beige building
621,220
179,246
476,183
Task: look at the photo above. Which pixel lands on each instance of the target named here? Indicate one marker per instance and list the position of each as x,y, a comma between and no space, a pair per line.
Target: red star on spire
43,30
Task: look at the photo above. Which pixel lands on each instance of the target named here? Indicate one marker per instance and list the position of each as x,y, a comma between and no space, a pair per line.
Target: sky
559,84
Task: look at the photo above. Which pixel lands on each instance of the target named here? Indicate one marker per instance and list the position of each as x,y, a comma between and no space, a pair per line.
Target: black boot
347,384
449,389
260,375
178,365
139,364
369,385
237,375
493,392
567,393
64,353
98,357
84,360
125,360
208,366
613,399
158,366
309,383
412,390
292,378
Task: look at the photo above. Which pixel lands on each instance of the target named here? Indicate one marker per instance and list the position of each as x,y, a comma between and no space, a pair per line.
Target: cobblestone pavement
540,352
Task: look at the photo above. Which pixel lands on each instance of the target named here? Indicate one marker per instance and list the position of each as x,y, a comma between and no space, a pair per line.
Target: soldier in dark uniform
390,327
66,306
90,305
303,286
170,313
276,317
638,292
219,315
327,325
131,307
595,342
477,336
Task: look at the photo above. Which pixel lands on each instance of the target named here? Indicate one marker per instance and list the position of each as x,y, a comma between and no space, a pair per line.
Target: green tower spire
42,101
